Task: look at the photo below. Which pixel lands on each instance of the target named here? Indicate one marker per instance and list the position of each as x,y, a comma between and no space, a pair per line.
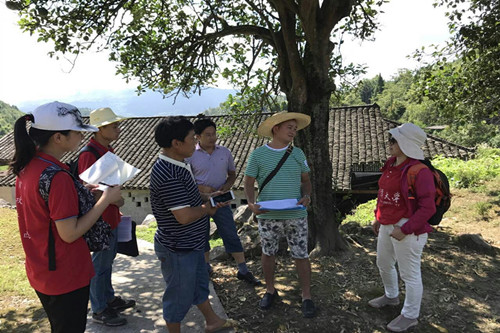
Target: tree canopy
263,46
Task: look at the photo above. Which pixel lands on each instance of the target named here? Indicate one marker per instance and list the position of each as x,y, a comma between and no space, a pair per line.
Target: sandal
229,323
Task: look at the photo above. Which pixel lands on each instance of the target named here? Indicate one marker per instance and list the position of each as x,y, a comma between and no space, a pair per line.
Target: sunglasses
392,141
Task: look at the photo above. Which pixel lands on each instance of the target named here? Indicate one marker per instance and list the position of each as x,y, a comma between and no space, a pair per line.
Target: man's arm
306,188
190,214
231,178
249,189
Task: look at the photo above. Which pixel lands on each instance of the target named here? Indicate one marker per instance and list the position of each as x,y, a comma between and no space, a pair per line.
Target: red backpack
443,195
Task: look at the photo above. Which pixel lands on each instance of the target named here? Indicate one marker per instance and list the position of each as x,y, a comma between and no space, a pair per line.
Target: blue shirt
172,187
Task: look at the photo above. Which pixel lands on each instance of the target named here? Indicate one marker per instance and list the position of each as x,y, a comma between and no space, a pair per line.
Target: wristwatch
308,197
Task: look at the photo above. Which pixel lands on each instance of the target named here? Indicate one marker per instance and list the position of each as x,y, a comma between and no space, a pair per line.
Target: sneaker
267,301
308,308
382,301
401,324
109,317
120,304
249,278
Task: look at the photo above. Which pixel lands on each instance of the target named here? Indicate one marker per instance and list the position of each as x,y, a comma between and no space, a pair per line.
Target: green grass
362,214
3,167
13,280
148,234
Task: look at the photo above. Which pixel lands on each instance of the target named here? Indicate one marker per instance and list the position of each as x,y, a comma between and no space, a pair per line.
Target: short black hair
172,128
201,124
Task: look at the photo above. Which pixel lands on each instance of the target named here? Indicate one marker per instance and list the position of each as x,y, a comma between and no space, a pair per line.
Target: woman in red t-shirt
401,224
58,267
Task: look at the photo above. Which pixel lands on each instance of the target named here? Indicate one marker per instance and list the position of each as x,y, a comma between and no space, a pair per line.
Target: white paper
285,204
109,169
124,229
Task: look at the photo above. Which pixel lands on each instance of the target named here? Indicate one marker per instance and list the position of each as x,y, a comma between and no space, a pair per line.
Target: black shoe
308,308
109,317
120,304
249,278
267,301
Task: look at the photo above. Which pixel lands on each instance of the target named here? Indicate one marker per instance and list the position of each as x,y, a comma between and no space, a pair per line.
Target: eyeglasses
392,141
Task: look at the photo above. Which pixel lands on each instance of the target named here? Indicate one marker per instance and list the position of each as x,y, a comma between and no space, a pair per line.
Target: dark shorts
226,227
186,276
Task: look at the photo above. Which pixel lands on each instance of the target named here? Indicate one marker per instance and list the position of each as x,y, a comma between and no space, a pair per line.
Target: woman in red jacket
401,224
58,263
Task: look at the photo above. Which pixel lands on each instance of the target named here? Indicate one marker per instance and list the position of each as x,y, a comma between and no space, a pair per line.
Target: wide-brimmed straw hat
410,139
266,128
57,116
104,116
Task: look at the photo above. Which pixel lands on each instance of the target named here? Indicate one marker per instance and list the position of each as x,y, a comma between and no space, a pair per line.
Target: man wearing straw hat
290,181
105,305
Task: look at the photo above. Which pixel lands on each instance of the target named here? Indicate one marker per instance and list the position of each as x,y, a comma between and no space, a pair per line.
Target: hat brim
83,128
266,128
408,148
109,121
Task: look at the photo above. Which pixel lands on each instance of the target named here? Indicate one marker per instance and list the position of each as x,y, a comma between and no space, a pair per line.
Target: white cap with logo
57,116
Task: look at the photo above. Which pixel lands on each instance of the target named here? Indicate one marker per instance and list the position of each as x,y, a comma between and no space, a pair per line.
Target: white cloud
405,26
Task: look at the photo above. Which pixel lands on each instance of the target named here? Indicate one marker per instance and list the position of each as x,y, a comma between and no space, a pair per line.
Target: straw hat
266,128
410,139
103,116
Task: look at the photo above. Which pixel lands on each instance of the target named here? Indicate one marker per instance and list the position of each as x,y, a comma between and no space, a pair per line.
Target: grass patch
13,280
362,214
4,167
147,233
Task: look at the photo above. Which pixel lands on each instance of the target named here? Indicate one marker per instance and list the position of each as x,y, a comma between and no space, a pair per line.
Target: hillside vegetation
8,115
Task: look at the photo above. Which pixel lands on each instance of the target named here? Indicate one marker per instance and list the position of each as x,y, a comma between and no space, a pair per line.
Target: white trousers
407,253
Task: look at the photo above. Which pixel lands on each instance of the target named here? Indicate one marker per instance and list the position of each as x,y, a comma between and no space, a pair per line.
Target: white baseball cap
57,116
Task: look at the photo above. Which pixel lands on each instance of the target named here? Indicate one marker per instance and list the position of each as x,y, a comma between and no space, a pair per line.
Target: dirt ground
461,287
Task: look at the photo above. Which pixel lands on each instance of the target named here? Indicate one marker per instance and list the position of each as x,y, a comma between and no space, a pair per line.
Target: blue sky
28,74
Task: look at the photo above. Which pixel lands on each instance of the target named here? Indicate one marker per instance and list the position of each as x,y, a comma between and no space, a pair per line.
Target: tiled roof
357,142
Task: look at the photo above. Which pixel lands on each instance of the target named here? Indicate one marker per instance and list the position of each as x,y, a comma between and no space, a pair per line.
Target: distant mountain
8,116
127,103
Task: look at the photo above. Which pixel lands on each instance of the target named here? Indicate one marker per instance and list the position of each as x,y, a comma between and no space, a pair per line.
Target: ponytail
27,141
25,146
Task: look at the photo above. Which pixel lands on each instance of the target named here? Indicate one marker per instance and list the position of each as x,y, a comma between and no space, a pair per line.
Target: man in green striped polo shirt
290,182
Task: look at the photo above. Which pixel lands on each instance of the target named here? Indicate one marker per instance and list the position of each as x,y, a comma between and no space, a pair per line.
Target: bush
471,173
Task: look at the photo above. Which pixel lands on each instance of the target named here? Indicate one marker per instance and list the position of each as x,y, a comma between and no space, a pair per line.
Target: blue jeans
101,290
226,227
186,277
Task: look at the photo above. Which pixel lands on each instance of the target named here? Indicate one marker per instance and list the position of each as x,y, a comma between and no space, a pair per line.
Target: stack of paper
285,204
109,169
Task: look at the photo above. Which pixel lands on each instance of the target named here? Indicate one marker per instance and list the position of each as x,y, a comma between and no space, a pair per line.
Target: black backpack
73,165
443,194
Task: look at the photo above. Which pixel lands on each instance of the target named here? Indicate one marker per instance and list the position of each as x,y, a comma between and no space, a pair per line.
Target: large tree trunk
324,233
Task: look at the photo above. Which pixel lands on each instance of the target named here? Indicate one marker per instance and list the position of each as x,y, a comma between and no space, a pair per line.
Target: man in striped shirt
182,227
290,182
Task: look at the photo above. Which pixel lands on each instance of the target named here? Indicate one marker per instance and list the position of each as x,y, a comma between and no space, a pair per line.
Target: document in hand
109,169
285,204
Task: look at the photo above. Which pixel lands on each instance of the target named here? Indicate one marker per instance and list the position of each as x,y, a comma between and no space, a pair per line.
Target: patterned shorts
295,231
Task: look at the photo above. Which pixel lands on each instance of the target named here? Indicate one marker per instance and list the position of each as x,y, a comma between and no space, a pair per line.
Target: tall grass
471,173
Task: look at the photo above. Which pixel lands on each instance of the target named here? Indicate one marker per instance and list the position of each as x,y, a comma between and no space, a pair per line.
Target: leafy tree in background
261,46
463,77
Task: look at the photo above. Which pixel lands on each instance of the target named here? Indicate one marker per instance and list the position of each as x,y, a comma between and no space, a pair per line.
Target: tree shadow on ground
460,292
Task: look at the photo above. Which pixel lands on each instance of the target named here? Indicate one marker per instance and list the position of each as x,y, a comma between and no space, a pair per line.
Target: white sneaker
382,301
401,324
